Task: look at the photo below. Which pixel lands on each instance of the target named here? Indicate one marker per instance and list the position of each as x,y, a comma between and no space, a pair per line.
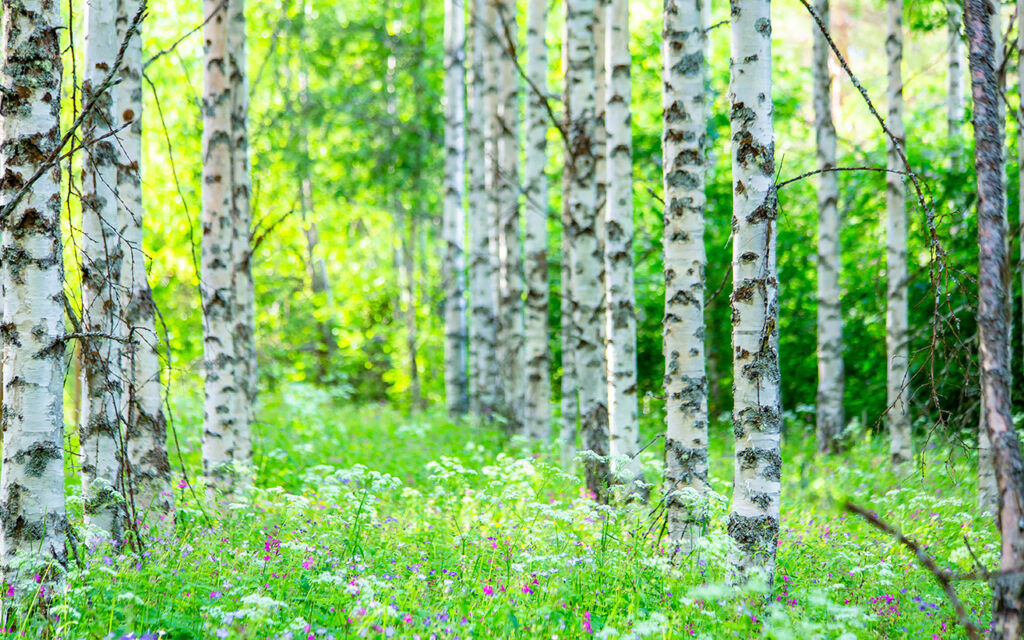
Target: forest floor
369,523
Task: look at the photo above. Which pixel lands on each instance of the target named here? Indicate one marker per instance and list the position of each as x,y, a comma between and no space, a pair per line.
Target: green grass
369,523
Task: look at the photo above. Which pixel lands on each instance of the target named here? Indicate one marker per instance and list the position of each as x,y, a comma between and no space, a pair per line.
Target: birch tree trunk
1020,173
570,386
537,410
454,224
901,446
241,222
100,430
32,276
224,400
994,309
955,92
587,259
754,521
510,258
830,416
623,428
683,46
146,426
493,49
988,491
482,362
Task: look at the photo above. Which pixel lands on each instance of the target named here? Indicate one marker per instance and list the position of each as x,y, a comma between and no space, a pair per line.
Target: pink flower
307,563
407,618
527,590
586,623
488,590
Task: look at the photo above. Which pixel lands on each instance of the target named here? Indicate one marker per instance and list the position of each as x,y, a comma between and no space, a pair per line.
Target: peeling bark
757,419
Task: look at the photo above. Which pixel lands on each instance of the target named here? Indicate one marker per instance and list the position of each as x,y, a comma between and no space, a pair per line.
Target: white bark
587,260
901,446
241,252
102,251
224,401
149,470
623,427
757,421
537,414
569,385
683,159
955,93
454,222
510,259
830,416
482,300
33,537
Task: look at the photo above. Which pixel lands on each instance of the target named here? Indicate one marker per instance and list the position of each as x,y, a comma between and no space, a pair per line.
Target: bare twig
177,42
808,174
941,576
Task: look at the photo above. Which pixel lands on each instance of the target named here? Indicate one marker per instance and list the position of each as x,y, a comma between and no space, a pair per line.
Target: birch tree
101,257
454,223
623,428
510,258
224,399
683,143
493,48
988,498
901,446
569,385
537,355
587,260
482,331
33,538
994,308
955,81
754,520
244,297
146,426
830,416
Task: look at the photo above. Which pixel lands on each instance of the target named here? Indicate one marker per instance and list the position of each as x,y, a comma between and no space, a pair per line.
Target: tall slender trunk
102,252
33,540
587,260
492,132
510,258
408,232
988,491
482,360
830,416
683,70
901,445
955,81
241,223
454,231
1020,171
224,400
570,400
623,428
146,430
600,146
757,420
994,309
537,354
